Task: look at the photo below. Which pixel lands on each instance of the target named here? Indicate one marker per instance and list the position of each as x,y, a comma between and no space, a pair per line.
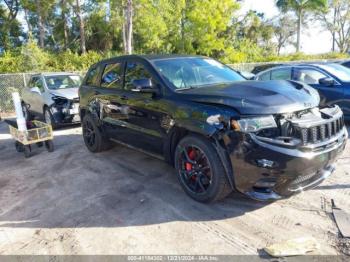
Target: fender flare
212,132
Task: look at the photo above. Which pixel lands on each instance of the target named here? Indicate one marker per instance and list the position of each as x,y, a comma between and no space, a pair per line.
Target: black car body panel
256,164
255,98
289,173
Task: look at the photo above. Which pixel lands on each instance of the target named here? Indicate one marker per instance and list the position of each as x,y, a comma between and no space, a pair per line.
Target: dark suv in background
268,140
331,80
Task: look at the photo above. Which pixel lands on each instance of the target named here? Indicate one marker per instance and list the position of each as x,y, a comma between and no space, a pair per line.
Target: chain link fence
10,83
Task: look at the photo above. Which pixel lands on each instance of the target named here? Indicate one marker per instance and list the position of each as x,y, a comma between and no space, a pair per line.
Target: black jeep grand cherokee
268,140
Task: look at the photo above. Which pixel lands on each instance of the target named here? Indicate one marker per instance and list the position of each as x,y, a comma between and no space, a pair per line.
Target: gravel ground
124,202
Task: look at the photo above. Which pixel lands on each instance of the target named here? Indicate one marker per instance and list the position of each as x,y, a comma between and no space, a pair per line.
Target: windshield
62,81
194,72
339,71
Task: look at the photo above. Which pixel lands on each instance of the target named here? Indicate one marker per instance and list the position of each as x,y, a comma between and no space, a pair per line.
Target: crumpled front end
65,110
296,155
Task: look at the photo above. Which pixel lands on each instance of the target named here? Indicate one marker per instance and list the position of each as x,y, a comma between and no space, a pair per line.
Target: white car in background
53,97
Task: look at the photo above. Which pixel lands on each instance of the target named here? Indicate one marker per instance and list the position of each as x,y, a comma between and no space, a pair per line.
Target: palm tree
300,7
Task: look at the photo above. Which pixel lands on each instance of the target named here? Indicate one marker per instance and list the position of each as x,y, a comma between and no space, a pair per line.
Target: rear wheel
200,170
94,138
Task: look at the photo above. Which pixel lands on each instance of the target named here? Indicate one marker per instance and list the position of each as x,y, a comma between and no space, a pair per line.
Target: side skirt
139,149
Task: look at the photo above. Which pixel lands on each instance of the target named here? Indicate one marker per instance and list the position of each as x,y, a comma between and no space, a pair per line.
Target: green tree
336,19
156,25
283,31
300,8
36,15
256,28
10,30
204,24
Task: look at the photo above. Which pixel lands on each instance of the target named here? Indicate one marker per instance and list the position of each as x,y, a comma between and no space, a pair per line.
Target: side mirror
35,89
327,81
143,86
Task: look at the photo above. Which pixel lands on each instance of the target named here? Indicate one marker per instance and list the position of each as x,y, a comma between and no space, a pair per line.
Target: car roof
55,73
152,57
318,64
264,67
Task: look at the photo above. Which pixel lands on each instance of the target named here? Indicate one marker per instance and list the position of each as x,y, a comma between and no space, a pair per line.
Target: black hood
257,97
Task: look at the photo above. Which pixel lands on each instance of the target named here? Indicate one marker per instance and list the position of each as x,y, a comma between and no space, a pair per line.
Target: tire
200,170
49,146
19,147
27,151
94,138
27,115
49,118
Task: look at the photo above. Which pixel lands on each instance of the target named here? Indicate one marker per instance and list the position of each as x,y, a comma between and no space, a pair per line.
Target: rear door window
281,74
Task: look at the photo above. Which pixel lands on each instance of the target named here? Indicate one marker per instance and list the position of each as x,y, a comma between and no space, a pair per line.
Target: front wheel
49,118
200,170
94,138
26,114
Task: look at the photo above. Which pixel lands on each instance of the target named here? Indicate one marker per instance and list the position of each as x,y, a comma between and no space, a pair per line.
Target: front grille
320,133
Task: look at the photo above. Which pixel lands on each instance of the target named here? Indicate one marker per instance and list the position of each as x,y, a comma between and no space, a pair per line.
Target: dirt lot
124,202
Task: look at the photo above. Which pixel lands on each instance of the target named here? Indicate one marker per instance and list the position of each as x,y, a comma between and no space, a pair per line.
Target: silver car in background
53,97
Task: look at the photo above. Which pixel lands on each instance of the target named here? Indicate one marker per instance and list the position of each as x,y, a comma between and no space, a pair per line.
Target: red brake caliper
191,155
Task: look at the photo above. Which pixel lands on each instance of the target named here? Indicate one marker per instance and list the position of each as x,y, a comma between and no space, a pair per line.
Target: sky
314,40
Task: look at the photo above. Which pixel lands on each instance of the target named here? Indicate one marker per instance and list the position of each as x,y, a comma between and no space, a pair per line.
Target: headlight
253,124
58,98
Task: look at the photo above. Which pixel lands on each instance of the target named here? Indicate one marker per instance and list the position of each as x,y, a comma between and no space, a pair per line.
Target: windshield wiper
186,88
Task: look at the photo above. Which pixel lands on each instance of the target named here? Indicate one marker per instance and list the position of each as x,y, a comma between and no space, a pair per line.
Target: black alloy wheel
94,138
195,169
89,134
200,170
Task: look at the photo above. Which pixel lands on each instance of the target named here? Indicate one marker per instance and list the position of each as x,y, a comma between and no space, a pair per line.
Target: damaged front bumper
266,170
65,111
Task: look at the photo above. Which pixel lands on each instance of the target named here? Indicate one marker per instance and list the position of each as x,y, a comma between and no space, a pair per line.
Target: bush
10,63
30,58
